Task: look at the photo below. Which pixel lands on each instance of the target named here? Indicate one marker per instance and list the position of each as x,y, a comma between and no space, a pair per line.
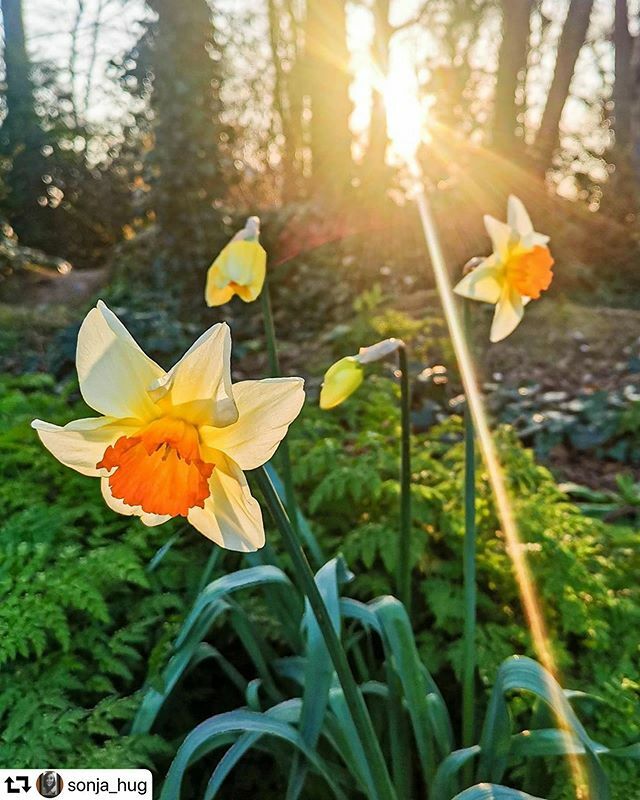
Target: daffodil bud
340,381
239,269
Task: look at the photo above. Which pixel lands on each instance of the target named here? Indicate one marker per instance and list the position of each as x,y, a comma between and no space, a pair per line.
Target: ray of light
515,547
514,544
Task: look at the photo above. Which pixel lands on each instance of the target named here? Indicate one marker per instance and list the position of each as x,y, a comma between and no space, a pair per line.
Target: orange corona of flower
517,271
160,469
174,443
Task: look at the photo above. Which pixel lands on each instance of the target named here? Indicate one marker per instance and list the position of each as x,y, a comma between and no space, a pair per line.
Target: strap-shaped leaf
215,732
424,703
288,711
226,585
319,672
182,660
489,791
519,673
445,782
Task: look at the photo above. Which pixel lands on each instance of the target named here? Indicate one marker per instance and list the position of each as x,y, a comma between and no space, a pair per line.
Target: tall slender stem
274,370
469,572
382,786
404,542
270,331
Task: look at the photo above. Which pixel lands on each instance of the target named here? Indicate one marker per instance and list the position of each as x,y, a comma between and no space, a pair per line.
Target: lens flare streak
515,547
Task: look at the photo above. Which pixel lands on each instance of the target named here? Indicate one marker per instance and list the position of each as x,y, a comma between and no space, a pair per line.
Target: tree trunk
378,139
516,17
283,104
185,171
327,82
21,135
573,37
621,197
623,85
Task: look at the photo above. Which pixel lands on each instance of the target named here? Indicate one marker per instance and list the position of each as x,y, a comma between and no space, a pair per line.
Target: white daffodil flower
517,271
174,443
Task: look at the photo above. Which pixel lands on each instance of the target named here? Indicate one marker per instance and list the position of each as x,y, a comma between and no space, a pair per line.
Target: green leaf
215,732
233,582
524,674
319,670
489,791
444,783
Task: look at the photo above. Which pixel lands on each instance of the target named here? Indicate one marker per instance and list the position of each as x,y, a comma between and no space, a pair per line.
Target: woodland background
136,136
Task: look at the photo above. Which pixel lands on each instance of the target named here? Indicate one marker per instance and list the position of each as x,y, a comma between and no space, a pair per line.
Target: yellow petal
217,291
114,373
246,262
509,312
483,283
81,444
265,410
198,387
340,381
239,269
231,517
500,234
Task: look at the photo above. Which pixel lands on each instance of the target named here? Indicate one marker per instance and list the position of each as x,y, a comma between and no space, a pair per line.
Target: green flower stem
469,571
274,370
304,578
404,542
270,331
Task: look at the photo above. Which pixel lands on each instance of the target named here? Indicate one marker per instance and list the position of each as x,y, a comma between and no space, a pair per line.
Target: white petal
198,387
113,371
231,516
152,520
518,217
120,507
509,312
534,240
378,351
265,410
483,283
81,444
500,234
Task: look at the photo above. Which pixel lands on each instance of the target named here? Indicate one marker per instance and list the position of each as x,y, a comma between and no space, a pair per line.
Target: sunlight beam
515,547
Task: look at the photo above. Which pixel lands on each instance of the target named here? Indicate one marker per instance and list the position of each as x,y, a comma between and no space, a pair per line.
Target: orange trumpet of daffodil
174,443
239,269
517,271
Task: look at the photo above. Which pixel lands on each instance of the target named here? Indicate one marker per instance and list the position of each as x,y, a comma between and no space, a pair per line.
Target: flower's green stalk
469,572
303,576
274,370
404,543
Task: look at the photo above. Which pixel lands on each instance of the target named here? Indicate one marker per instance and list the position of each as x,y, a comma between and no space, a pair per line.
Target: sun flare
406,113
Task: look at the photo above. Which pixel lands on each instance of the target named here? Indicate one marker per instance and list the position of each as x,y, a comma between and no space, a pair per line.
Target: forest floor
565,348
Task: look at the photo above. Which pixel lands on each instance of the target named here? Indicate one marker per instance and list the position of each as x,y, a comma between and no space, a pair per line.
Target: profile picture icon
49,784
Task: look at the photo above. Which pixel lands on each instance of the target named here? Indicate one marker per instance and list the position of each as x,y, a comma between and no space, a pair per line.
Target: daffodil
517,271
169,444
343,378
239,269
